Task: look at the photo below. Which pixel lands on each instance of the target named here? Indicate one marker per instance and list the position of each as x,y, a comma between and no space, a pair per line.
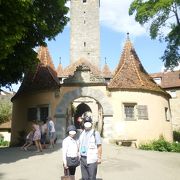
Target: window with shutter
32,114
39,113
129,111
142,112
44,113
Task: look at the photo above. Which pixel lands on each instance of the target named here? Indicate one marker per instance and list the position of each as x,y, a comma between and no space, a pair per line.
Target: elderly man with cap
70,151
90,150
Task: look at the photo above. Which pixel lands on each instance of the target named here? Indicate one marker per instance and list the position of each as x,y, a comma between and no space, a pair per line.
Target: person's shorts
43,138
52,135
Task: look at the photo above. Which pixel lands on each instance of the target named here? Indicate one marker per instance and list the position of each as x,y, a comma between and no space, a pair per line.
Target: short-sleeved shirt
51,127
85,140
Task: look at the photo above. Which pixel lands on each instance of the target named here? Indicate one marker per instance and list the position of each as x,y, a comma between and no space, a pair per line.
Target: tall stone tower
85,31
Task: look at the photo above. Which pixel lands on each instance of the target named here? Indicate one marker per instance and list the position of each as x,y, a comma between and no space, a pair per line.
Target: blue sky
112,42
114,24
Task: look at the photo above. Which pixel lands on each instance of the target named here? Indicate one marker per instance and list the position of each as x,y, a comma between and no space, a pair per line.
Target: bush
175,147
161,145
176,136
2,142
5,111
146,146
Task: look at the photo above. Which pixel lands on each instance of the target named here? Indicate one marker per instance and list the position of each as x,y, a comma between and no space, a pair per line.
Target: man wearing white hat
90,150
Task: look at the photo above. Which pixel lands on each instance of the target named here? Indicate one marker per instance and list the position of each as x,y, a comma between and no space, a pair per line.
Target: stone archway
96,94
81,108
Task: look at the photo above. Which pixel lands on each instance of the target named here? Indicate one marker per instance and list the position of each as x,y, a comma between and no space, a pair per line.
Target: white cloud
114,14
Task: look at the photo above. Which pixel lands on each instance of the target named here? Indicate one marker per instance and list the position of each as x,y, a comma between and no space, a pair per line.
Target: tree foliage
25,24
160,14
5,110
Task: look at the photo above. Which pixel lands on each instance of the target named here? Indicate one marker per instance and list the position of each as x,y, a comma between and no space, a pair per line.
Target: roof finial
127,35
59,60
105,60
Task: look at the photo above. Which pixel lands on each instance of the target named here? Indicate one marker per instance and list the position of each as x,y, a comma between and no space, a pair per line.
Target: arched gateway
96,94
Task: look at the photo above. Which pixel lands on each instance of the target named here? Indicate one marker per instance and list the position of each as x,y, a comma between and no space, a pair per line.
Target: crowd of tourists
40,134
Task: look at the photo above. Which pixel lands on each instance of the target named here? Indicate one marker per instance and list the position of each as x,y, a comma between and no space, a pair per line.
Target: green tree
5,110
161,13
24,25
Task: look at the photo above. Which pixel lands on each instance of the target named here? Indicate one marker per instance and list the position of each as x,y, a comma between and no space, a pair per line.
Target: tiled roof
60,71
130,74
44,57
43,78
72,68
168,79
106,72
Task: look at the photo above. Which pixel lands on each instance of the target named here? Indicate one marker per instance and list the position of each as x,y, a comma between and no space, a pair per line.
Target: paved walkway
119,163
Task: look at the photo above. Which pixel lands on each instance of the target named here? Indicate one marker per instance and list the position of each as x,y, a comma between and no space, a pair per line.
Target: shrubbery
2,142
161,145
5,110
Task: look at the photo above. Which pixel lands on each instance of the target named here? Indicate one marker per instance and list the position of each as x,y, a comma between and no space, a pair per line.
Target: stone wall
85,31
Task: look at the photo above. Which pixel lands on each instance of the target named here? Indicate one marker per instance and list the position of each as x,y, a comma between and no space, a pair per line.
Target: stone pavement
119,163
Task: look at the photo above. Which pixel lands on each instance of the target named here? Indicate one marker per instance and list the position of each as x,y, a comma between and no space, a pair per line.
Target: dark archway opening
81,108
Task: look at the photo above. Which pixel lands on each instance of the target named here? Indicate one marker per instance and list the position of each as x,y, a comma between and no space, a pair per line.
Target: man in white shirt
51,131
90,150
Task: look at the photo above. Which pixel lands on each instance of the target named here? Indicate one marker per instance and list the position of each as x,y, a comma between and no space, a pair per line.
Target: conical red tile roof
60,71
72,68
106,72
44,77
131,75
44,57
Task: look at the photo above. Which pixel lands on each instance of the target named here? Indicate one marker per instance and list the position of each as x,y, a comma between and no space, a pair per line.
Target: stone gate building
126,104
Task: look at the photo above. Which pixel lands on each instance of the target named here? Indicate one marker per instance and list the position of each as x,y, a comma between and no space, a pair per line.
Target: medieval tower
85,31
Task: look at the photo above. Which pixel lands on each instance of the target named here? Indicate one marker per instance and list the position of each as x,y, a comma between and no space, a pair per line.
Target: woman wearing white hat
70,151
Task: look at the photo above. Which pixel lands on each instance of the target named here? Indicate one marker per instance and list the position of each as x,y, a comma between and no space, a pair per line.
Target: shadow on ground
13,154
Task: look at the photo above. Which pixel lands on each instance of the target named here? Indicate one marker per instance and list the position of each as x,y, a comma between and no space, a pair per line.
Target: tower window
84,44
84,22
84,1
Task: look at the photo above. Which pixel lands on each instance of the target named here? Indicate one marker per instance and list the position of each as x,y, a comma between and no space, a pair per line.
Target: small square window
84,1
157,80
129,112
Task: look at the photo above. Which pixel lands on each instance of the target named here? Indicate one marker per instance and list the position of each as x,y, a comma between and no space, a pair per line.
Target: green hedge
161,145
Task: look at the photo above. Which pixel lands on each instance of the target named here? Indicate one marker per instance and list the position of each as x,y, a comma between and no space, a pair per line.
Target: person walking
90,150
44,130
37,136
70,151
29,140
51,131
